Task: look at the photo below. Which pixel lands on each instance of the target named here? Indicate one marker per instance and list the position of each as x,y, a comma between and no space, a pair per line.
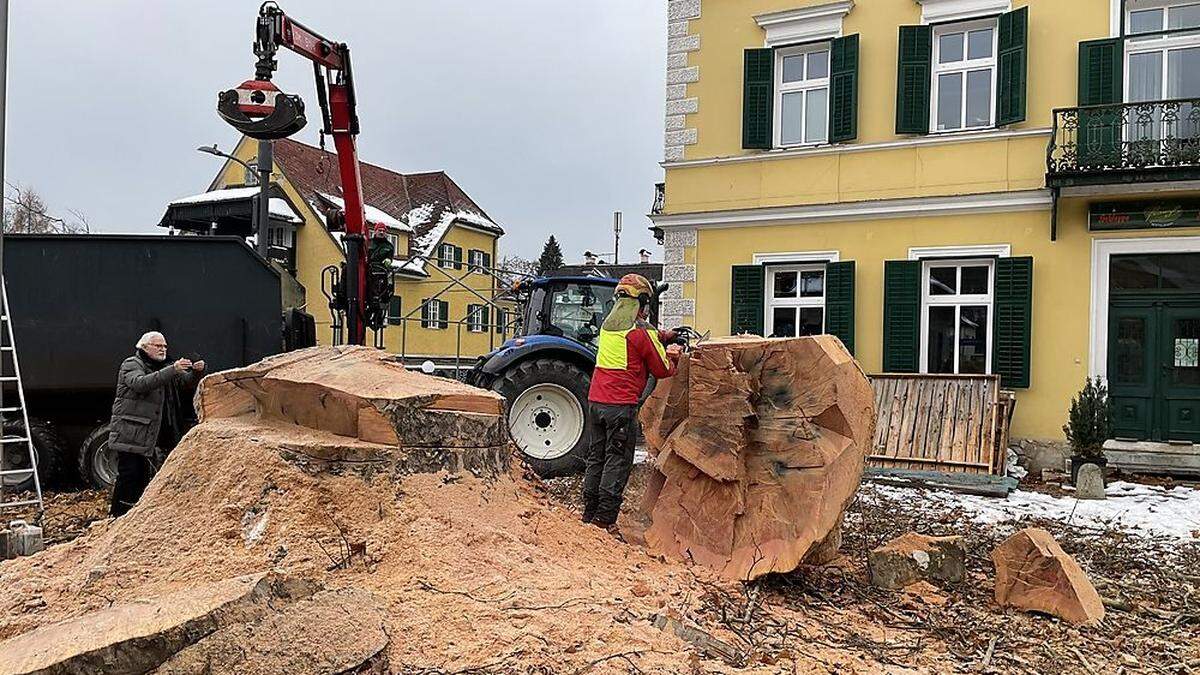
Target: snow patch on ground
1137,509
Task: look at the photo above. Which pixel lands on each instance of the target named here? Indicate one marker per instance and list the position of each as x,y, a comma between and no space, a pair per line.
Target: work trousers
133,475
612,433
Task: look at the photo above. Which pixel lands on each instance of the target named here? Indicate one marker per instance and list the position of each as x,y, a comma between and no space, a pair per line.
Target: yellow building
446,247
951,186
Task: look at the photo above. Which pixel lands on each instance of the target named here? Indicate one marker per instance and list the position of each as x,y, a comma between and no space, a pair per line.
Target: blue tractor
545,371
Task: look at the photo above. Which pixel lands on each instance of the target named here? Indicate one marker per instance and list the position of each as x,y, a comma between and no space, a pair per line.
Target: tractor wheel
47,450
97,462
547,414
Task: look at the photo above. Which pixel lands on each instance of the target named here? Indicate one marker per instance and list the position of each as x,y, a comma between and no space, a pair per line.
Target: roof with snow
425,204
279,207
229,212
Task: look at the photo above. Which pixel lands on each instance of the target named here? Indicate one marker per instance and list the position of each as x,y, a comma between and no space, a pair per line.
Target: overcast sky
549,113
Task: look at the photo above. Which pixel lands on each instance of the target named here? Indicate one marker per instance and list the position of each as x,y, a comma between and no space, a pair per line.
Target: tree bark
423,424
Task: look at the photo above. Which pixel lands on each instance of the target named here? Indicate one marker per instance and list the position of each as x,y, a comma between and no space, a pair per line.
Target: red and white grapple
260,110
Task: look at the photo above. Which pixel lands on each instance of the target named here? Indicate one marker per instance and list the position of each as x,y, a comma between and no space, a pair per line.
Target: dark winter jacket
137,412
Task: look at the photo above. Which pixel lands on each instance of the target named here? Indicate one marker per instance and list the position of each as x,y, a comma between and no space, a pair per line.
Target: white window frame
958,301
431,314
804,86
770,302
446,255
394,239
1157,43
475,322
965,66
475,260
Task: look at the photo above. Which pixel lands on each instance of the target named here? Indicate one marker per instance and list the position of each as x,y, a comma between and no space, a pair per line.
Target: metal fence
502,301
1125,137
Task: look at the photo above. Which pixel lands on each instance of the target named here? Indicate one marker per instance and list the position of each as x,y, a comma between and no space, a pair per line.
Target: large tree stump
417,422
760,445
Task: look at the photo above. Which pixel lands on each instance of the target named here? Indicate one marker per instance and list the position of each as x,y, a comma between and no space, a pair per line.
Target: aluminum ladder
12,409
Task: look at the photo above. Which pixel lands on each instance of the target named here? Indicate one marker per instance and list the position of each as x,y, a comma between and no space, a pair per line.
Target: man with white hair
145,415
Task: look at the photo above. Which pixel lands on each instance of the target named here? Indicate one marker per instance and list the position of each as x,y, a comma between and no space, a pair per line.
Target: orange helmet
634,286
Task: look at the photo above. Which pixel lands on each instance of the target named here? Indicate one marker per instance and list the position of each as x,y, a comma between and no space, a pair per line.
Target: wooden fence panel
952,423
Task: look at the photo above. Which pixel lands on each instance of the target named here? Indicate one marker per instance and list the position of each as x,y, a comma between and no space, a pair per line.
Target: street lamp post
251,169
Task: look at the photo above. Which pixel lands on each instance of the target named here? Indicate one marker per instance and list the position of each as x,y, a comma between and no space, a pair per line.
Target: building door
1154,347
1131,381
1180,331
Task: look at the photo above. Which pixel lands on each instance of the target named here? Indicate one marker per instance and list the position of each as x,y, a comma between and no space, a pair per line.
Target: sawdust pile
473,567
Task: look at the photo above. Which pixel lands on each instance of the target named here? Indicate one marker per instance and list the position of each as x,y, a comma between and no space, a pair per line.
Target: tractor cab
568,307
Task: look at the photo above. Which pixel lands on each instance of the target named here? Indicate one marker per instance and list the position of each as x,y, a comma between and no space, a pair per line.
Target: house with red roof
446,245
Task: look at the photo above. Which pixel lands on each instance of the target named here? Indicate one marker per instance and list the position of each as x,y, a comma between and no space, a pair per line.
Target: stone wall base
1036,455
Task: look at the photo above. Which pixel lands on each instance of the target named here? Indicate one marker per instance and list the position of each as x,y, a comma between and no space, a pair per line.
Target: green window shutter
501,319
901,316
843,89
1100,71
839,302
746,313
394,311
914,74
1012,65
484,319
1101,76
444,310
458,253
1011,328
758,99
426,313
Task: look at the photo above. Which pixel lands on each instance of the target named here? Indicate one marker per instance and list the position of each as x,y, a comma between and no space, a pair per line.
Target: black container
80,302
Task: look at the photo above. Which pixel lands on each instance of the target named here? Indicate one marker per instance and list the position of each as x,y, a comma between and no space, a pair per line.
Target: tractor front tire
547,414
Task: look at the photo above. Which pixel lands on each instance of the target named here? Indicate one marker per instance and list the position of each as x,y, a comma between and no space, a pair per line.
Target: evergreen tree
1089,423
552,257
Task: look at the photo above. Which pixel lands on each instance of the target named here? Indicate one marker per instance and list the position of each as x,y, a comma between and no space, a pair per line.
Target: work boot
611,528
587,516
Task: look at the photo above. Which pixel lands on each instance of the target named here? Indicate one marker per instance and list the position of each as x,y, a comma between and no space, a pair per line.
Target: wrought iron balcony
1125,143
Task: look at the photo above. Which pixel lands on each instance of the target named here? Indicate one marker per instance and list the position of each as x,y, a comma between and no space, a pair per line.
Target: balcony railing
1125,143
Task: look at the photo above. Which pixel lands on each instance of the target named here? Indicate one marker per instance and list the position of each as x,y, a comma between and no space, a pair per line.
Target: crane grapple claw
285,119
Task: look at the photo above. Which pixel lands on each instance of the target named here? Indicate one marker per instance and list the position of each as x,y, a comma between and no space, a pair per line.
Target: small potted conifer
1089,425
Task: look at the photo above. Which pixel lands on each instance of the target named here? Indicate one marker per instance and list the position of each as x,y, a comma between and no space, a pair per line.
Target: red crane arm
335,93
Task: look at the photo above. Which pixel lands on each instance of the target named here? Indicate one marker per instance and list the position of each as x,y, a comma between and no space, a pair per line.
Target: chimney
589,258
645,256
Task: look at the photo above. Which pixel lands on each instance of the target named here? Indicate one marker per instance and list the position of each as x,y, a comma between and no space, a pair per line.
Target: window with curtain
964,76
1162,62
802,95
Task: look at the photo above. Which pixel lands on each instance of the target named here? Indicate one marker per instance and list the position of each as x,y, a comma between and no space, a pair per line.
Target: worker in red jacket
630,351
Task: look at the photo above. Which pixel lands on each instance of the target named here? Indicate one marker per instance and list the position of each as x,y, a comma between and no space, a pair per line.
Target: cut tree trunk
366,394
760,445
